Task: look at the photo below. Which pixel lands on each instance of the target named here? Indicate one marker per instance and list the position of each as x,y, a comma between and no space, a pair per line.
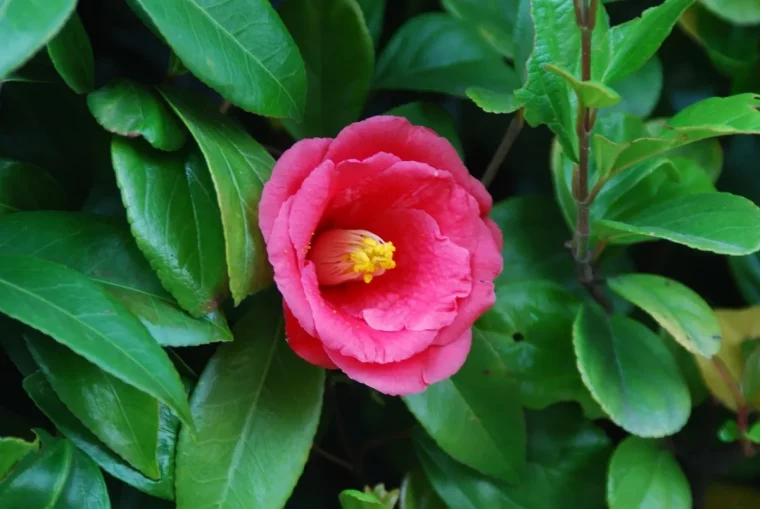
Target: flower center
349,255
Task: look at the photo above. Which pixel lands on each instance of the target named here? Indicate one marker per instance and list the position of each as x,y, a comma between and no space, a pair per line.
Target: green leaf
640,91
257,406
82,316
238,47
45,398
475,416
629,46
643,475
494,20
567,458
436,52
630,373
174,217
122,417
707,153
56,476
493,102
728,224
13,449
593,94
738,12
431,116
750,378
353,499
71,54
338,73
27,26
418,493
131,109
753,433
676,307
27,187
239,167
104,250
746,271
374,15
729,431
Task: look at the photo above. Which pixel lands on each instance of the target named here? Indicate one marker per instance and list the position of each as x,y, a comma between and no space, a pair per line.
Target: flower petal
305,346
470,309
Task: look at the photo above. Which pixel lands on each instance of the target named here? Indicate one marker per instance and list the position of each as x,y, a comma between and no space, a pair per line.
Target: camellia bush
367,254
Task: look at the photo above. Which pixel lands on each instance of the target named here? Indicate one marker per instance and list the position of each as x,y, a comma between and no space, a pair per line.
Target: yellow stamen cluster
371,256
340,256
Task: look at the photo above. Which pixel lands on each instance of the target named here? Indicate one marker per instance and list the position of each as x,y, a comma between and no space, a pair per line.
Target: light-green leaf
493,102
738,12
494,20
727,224
676,307
131,109
26,26
122,417
644,475
639,91
12,449
630,373
432,116
82,316
418,493
339,74
174,217
39,389
238,47
271,402
239,168
27,187
436,52
475,416
353,499
71,54
593,94
104,250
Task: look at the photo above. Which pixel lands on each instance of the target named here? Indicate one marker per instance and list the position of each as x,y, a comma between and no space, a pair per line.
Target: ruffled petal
305,346
470,309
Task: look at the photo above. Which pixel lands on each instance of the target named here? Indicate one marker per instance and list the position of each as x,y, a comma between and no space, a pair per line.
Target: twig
224,107
742,407
515,126
332,458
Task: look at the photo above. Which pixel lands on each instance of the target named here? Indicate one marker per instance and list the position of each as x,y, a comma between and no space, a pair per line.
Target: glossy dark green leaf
131,109
13,449
174,217
475,416
238,47
27,187
239,168
27,26
643,474
38,69
630,373
338,74
81,315
71,53
104,250
567,458
432,116
436,52
494,20
257,406
374,15
122,417
43,395
728,224
676,307
689,369
738,12
639,91
418,493
530,327
58,476
353,499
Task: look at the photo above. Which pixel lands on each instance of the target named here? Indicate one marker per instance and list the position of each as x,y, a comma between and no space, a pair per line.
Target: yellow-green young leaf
353,499
271,402
27,187
131,109
418,493
339,74
738,12
81,315
432,116
27,26
71,54
238,47
121,416
12,449
58,475
494,19
239,168
593,94
436,52
630,373
174,217
493,102
728,224
676,307
39,389
644,475
468,413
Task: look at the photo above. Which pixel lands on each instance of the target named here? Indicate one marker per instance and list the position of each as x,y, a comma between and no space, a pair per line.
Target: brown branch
513,131
332,458
742,407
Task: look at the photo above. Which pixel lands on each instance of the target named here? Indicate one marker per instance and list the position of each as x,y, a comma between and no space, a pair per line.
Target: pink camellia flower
383,252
